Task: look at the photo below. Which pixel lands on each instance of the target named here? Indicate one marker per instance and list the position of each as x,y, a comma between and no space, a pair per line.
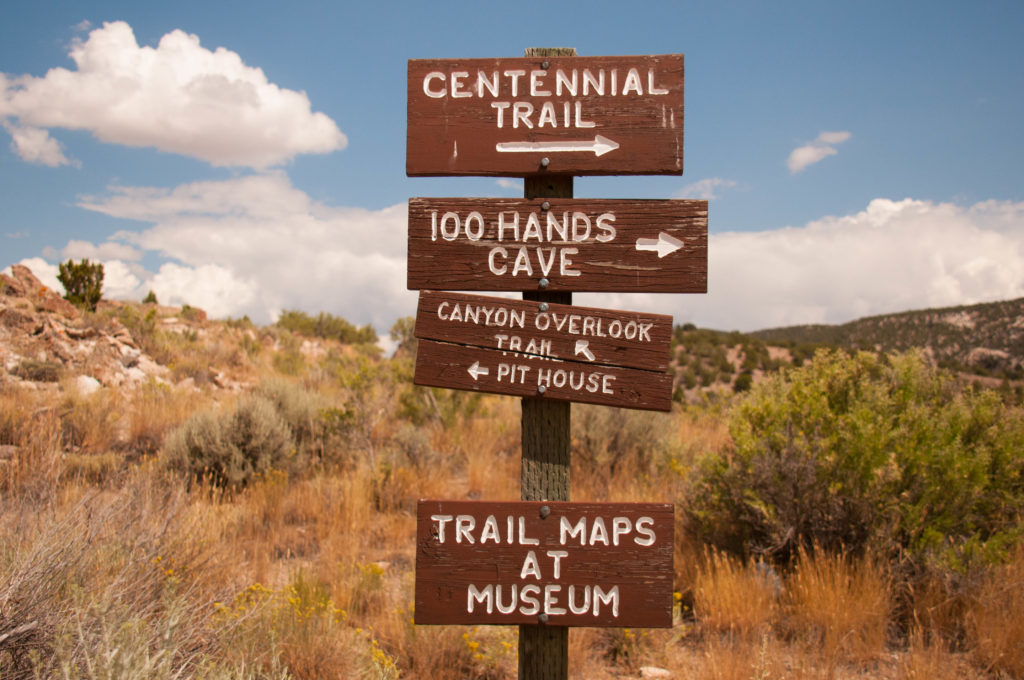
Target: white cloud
178,97
44,271
35,145
510,184
256,245
78,250
819,149
893,256
705,189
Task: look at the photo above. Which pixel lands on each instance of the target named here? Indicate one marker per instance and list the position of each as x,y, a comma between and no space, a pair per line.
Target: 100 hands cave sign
565,115
568,564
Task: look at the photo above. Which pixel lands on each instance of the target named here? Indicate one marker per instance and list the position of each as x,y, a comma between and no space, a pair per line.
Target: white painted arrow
599,145
583,347
665,244
476,370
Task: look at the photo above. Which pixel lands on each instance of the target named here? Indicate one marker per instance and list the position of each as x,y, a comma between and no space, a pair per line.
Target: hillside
186,497
984,339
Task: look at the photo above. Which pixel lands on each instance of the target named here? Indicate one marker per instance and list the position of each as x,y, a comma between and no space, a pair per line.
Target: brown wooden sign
558,352
530,330
582,115
582,245
559,564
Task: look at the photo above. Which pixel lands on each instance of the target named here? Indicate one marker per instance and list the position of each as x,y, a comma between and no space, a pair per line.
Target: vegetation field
251,514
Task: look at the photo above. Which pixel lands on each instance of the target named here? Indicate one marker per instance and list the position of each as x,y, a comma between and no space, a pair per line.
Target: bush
83,283
326,326
232,448
863,452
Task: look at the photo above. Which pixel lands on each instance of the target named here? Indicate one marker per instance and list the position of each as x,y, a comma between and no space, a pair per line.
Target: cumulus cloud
178,97
821,148
35,145
43,270
892,256
256,245
705,189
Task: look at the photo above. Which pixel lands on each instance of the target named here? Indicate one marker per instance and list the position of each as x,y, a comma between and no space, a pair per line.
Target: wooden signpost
557,114
558,564
633,246
558,352
543,562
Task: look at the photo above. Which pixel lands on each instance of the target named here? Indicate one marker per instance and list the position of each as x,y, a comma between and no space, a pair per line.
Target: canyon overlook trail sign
592,245
557,114
530,349
558,563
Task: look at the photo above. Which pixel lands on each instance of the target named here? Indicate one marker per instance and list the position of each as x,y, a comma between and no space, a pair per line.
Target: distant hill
984,339
984,343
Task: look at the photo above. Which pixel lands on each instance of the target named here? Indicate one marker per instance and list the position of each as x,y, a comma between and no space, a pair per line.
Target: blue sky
859,157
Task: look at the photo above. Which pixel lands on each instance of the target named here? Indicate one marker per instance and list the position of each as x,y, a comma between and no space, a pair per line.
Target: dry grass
995,621
740,599
112,567
839,605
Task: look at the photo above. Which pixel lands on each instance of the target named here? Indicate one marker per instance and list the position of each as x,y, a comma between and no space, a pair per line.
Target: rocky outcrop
44,338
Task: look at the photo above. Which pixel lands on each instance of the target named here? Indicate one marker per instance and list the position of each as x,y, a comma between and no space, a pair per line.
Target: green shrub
326,326
38,371
231,448
863,452
83,283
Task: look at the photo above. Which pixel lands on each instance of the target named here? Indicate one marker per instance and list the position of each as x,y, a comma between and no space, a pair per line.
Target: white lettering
458,88
644,526
435,94
441,521
464,525
475,596
531,567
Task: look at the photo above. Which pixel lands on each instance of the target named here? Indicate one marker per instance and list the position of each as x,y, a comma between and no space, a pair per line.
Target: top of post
550,52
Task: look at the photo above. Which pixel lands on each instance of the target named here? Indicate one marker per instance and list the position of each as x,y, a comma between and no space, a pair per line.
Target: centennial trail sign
564,564
596,245
582,115
543,562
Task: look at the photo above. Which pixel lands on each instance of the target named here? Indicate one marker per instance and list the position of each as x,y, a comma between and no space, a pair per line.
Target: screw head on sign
545,65
544,511
546,205
543,618
544,307
542,389
545,162
543,283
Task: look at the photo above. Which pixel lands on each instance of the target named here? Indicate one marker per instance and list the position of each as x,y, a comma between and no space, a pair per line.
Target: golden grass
839,605
996,619
740,599
310,574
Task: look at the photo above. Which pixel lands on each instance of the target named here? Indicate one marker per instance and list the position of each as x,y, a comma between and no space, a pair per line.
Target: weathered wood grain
637,561
453,121
614,247
442,364
583,334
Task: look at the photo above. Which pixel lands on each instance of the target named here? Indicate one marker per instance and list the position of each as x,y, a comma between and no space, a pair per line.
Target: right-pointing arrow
665,244
476,370
600,145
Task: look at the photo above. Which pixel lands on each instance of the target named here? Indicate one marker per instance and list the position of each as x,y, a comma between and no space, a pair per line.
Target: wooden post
543,650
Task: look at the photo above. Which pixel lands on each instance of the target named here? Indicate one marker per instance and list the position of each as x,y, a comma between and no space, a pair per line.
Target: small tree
83,283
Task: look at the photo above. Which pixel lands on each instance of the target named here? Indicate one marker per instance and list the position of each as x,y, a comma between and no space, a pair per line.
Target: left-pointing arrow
476,370
599,145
